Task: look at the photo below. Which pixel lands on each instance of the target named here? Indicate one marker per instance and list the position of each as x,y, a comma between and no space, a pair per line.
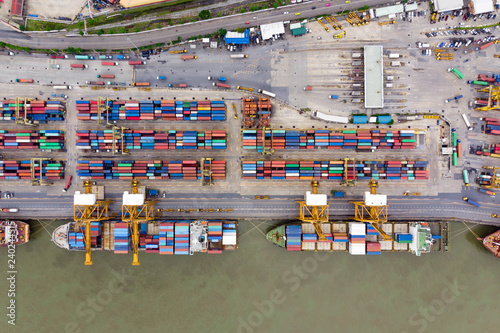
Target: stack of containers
482,179
22,139
127,170
492,126
404,238
148,139
75,240
357,235
361,139
122,237
340,237
181,238
36,111
15,169
493,151
309,242
150,243
214,237
370,230
229,236
150,110
293,237
373,248
95,233
166,243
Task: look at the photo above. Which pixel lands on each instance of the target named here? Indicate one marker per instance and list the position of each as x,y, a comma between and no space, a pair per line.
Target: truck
357,100
337,194
122,57
105,76
78,66
221,78
24,80
467,123
393,55
178,51
244,88
109,63
477,82
471,202
59,95
68,184
456,72
188,57
221,85
482,190
180,85
395,63
140,84
333,97
307,88
454,98
390,78
161,77
83,57
153,193
267,93
103,56
111,83
356,93
10,210
62,87
136,62
465,174
95,83
239,56
54,66
482,47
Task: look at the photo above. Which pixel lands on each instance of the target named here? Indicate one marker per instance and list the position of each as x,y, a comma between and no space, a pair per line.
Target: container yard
43,139
31,169
36,111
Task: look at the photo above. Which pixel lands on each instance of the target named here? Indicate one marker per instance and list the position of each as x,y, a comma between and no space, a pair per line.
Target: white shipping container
395,63
357,248
356,55
388,85
393,55
390,78
357,228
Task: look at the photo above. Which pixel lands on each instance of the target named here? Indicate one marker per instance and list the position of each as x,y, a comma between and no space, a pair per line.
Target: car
286,13
313,7
247,22
327,5
348,1
255,17
297,14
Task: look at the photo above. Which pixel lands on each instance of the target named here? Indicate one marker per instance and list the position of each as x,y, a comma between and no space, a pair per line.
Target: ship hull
492,243
18,232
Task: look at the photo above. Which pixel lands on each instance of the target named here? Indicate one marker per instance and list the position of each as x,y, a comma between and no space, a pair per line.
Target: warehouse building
374,77
447,5
272,29
237,38
481,6
297,29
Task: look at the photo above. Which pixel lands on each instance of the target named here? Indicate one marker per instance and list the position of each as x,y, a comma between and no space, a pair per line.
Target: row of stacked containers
492,126
38,111
334,170
21,169
492,150
151,110
148,139
361,139
28,139
153,169
121,237
75,239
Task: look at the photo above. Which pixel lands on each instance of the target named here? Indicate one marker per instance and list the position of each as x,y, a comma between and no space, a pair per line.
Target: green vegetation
366,7
242,10
205,14
240,30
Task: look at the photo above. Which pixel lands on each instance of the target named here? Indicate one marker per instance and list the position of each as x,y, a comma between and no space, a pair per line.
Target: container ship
175,237
37,111
358,238
492,243
14,230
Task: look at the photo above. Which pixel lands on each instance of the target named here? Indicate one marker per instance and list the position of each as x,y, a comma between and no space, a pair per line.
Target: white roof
374,76
131,199
205,40
234,34
357,228
84,199
482,6
315,199
335,119
446,5
375,199
357,248
411,6
295,26
229,240
268,30
384,11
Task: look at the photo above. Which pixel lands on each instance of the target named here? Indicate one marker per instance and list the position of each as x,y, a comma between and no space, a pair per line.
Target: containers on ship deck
153,109
148,139
293,237
147,169
34,110
21,169
28,139
360,139
122,237
334,170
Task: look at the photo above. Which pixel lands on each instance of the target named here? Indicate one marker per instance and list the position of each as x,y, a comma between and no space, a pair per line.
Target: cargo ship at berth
492,243
179,237
360,238
14,230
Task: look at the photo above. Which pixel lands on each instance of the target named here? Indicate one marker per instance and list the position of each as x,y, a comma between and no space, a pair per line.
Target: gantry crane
493,95
314,209
103,108
267,151
37,181
373,209
118,135
22,120
324,26
206,172
495,181
88,209
346,181
135,209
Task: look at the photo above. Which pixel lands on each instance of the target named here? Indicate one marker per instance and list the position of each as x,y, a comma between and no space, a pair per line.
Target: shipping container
50,140
136,62
221,85
24,80
78,66
109,63
37,111
21,170
105,76
188,57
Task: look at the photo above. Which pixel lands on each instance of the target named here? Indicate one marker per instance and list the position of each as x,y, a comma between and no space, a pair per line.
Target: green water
259,288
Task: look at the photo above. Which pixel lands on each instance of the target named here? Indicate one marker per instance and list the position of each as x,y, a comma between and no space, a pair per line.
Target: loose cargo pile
35,110
361,140
492,126
21,169
151,110
26,139
148,139
151,169
335,170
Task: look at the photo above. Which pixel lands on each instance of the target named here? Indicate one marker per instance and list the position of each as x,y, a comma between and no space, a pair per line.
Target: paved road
185,31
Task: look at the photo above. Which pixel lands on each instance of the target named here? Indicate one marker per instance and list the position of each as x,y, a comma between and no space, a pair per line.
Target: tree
222,32
205,14
22,27
80,32
242,10
100,32
240,30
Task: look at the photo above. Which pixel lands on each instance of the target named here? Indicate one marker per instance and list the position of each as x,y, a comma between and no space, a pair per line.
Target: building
271,29
374,77
233,37
447,5
389,10
481,6
297,29
17,7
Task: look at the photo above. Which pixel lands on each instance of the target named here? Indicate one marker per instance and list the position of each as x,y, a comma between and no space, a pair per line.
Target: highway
185,31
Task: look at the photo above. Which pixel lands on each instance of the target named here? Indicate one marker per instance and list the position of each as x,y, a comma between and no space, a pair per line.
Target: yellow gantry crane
135,209
324,26
346,181
88,209
495,181
118,135
22,120
37,181
265,150
206,172
373,209
493,95
315,209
